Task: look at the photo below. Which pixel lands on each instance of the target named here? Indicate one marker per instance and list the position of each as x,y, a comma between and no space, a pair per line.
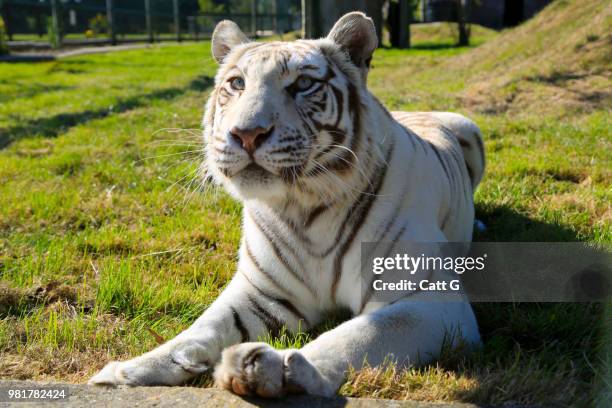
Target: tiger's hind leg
408,332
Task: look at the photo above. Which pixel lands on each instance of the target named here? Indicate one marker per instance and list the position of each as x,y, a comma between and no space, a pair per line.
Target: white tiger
320,167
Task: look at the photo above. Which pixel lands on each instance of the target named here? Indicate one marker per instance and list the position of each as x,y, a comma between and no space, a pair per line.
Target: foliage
54,34
211,6
3,38
225,6
98,24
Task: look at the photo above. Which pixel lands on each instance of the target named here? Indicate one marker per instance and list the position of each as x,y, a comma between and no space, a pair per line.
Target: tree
225,6
211,6
463,22
3,38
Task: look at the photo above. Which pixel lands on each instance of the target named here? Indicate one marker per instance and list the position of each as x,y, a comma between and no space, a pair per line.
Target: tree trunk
462,21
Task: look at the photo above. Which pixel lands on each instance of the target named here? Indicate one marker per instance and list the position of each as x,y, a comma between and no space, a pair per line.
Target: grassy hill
106,246
559,63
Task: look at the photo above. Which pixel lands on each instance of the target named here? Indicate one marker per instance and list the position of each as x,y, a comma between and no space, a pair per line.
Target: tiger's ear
355,32
226,36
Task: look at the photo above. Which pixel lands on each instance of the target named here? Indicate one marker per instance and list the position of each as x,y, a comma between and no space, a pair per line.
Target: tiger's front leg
243,312
409,332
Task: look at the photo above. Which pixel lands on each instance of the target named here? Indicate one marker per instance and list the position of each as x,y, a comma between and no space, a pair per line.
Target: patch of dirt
579,91
117,246
200,238
44,364
13,299
10,298
583,201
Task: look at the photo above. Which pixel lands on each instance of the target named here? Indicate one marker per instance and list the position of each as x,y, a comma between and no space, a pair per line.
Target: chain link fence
56,23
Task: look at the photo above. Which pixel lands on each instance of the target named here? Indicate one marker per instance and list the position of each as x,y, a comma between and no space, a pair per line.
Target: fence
44,23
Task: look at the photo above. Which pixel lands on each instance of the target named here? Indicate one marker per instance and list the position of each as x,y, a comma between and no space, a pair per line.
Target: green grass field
109,243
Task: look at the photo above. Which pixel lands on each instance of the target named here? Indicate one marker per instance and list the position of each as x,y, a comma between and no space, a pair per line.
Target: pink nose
251,139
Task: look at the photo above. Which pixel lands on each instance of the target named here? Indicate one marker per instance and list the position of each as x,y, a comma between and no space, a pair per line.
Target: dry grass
535,373
520,384
559,61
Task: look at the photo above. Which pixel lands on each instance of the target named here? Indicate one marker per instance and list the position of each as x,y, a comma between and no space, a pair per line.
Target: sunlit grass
106,247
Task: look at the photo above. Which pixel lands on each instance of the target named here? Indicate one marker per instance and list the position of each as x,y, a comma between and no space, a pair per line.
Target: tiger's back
443,125
457,144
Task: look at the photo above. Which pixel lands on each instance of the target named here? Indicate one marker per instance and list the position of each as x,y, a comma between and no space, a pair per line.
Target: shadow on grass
57,124
72,67
435,46
600,98
505,224
532,339
521,340
14,59
430,46
31,90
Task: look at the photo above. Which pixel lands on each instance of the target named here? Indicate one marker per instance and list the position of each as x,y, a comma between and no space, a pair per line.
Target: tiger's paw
251,369
258,369
171,364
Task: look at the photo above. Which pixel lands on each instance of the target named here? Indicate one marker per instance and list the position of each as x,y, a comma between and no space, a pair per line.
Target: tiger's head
285,118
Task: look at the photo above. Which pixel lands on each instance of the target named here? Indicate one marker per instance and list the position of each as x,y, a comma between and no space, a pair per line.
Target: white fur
428,208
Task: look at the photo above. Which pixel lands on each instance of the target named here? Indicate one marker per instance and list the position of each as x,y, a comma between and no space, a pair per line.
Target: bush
53,34
98,25
3,38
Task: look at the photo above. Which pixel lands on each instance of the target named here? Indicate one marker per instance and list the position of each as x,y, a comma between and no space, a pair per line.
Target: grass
106,250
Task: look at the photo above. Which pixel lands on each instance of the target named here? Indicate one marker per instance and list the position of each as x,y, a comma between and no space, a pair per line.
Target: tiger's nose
251,139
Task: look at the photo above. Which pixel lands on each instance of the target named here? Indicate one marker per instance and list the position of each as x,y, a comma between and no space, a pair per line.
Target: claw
107,376
187,358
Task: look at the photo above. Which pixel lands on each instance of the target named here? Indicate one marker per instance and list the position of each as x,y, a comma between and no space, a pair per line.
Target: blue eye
303,83
237,83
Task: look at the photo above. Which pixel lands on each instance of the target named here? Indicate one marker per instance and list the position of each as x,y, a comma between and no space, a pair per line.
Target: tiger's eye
237,83
303,83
